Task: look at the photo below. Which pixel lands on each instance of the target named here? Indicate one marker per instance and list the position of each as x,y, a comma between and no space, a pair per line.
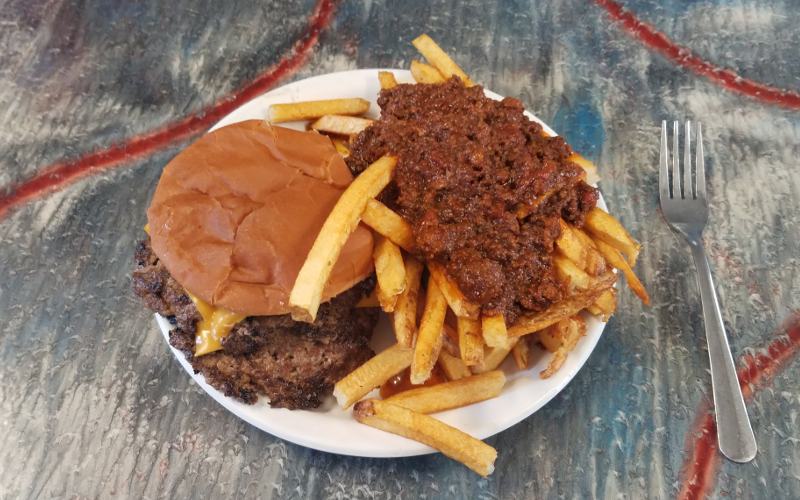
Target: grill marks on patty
294,364
160,292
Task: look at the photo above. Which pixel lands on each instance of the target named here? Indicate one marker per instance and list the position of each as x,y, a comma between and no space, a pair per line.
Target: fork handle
734,433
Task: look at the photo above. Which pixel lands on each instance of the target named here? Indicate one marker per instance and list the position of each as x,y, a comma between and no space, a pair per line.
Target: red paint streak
684,57
700,470
61,174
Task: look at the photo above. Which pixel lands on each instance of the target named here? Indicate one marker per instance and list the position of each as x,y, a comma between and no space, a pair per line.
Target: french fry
566,308
429,336
564,334
425,73
372,374
307,110
560,339
615,258
470,341
404,318
520,351
494,331
607,302
571,274
452,442
455,394
572,245
595,261
493,357
439,59
590,168
306,293
341,147
595,311
556,362
387,79
370,300
387,302
389,223
585,238
340,124
453,367
605,305
455,298
604,227
390,271
550,337
450,340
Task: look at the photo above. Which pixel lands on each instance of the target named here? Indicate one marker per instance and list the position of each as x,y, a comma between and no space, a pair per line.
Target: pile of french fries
471,351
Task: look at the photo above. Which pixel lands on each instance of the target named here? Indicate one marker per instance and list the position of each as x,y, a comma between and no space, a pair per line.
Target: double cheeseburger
229,226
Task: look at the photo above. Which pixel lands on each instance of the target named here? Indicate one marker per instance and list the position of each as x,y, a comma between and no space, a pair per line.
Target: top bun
236,213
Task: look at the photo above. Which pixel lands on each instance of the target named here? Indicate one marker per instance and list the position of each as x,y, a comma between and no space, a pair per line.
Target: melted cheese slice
215,325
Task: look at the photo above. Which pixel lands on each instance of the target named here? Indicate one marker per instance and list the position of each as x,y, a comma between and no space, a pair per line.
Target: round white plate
334,430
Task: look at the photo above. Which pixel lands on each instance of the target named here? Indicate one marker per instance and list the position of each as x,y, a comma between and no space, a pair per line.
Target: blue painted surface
582,125
92,405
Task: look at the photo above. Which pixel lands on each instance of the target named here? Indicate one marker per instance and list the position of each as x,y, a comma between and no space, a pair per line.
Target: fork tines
671,186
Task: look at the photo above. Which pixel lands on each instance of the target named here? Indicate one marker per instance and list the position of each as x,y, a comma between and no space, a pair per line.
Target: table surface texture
97,96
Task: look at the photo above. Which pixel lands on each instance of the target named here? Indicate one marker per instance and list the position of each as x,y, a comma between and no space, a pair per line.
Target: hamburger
229,226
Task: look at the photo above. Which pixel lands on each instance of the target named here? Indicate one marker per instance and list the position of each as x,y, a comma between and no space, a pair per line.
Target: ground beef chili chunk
467,165
294,364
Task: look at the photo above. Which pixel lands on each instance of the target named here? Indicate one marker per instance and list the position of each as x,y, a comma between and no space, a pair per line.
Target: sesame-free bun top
236,213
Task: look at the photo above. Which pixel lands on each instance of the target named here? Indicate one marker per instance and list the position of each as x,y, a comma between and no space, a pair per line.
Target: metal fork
686,211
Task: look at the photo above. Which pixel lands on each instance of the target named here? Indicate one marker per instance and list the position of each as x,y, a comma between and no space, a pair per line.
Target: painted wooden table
95,97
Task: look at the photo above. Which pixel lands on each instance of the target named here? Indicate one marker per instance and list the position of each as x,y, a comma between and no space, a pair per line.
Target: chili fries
469,350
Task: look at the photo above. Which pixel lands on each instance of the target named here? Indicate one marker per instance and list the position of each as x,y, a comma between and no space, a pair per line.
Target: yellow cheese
215,326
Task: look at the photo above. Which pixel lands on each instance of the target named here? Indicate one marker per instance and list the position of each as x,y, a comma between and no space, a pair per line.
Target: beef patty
293,364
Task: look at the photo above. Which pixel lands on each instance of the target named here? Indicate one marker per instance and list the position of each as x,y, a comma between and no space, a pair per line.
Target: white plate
333,430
